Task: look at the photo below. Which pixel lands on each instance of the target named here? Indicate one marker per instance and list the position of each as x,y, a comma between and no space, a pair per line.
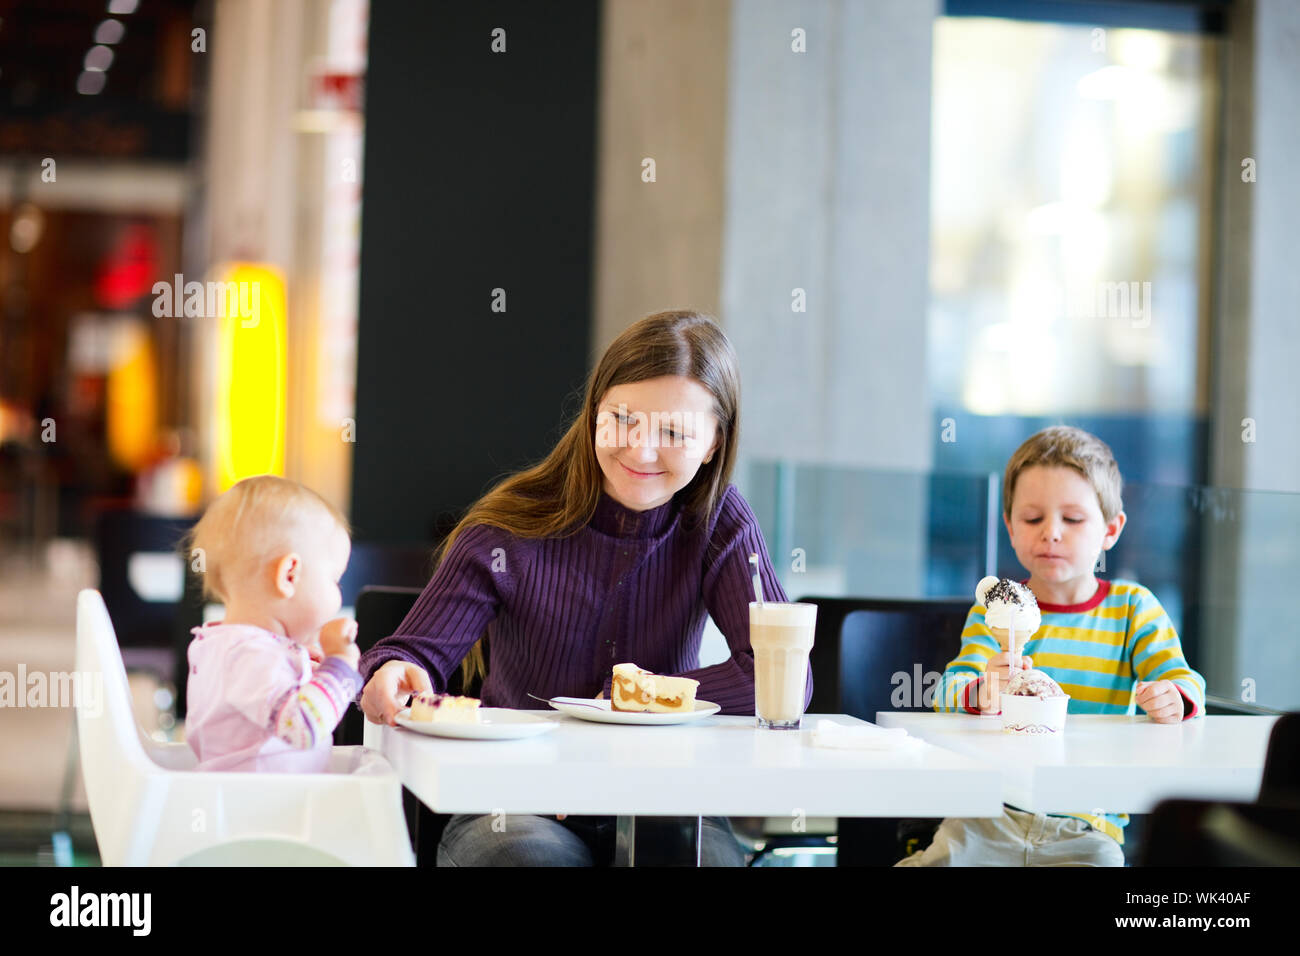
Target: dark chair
371,564
1281,780
380,611
139,565
873,655
1264,833
1205,833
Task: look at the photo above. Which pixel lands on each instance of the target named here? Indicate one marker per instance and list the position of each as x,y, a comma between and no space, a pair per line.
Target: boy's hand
997,674
1161,700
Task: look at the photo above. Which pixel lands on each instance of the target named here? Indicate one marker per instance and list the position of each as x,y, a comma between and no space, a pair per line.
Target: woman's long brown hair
558,496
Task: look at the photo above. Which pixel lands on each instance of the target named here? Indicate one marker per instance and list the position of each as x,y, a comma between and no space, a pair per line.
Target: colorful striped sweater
1097,651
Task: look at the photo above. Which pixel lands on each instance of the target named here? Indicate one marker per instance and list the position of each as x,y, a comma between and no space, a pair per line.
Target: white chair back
114,765
150,807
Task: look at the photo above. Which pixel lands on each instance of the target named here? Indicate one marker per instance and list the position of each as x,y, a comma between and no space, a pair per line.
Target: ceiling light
91,82
98,58
109,31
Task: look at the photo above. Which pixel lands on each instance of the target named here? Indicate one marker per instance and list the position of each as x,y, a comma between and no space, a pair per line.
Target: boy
1109,644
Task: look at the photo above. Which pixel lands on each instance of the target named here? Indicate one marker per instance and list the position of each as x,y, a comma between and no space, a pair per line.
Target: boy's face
1056,525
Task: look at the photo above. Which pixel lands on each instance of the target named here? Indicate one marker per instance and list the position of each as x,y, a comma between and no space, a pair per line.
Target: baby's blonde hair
248,524
1067,447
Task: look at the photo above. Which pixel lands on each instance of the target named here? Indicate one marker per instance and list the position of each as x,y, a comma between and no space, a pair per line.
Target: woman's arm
459,601
728,589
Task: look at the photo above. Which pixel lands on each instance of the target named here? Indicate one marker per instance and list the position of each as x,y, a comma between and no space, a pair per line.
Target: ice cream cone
1003,636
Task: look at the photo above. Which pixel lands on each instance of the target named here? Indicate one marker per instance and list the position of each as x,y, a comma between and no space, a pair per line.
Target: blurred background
376,247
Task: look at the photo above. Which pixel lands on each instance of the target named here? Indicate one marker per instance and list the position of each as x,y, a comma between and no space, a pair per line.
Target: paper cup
1033,715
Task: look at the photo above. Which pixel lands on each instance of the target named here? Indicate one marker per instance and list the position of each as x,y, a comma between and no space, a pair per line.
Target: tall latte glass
781,636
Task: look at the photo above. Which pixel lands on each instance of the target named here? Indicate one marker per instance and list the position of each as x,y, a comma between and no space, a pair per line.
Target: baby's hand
337,635
1161,700
338,638
997,674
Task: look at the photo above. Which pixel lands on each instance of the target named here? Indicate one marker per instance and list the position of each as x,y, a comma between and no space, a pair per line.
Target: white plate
496,723
581,707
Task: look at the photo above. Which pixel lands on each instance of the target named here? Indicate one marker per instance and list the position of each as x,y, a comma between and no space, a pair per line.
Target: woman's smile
640,474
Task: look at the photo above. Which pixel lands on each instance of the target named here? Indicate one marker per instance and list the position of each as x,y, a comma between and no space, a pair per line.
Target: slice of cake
444,709
636,689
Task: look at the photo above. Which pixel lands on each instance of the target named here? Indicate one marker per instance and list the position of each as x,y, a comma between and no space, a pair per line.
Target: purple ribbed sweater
559,613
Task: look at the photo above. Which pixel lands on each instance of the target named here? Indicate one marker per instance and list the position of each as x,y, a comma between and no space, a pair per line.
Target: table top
1119,764
720,765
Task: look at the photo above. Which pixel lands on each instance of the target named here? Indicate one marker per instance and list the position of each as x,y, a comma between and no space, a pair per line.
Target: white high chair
149,807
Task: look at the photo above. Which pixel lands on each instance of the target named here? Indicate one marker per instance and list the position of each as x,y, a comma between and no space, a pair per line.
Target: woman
613,549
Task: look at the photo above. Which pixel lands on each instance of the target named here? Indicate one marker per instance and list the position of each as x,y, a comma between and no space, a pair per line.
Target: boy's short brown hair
1063,446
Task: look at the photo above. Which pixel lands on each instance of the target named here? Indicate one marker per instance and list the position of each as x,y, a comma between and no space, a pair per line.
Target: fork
571,702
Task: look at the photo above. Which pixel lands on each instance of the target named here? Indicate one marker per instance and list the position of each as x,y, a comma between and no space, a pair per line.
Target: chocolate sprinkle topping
1010,592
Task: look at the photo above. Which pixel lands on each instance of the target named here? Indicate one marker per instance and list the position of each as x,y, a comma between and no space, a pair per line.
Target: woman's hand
389,687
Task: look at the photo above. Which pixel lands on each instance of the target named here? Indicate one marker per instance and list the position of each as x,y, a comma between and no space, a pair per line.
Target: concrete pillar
663,88
828,189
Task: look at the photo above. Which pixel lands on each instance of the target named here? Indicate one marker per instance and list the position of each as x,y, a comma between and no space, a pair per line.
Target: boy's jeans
1018,838
526,840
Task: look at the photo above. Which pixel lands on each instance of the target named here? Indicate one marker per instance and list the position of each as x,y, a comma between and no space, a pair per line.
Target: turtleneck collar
615,520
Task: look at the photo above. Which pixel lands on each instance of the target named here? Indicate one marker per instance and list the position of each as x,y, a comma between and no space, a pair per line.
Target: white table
1119,764
721,765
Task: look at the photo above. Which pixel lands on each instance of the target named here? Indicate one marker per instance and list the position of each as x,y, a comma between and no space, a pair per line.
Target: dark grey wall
479,174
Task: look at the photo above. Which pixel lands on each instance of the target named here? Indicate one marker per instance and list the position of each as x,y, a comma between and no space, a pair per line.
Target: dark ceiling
145,96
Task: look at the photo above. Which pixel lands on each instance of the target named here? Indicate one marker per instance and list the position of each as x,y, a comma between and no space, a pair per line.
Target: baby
269,683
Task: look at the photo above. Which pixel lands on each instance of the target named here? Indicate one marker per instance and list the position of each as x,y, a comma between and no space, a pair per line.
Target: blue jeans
525,840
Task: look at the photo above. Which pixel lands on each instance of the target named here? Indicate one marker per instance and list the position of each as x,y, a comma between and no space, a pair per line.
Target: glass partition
1220,560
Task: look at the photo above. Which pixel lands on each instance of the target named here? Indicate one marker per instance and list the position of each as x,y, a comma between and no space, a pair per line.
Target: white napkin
828,733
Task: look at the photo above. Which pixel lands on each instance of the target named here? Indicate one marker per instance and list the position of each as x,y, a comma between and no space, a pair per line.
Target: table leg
657,841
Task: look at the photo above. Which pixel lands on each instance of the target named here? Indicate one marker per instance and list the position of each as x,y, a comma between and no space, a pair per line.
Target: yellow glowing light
132,395
251,374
